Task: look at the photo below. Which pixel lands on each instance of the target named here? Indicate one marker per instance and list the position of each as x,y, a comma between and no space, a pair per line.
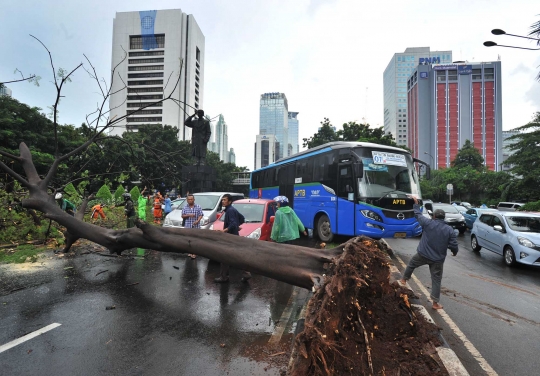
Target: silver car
210,203
514,235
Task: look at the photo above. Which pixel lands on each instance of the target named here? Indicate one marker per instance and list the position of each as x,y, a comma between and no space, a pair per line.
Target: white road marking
284,319
27,337
468,345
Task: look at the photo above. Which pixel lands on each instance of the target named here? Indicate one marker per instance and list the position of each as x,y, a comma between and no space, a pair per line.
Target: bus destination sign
391,159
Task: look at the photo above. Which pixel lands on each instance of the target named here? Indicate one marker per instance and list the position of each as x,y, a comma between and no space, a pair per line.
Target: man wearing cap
287,226
437,237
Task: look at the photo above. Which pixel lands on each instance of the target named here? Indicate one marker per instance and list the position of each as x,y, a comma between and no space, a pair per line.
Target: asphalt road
497,308
161,315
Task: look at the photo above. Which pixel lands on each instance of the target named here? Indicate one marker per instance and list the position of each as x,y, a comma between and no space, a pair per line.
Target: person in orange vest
97,211
158,211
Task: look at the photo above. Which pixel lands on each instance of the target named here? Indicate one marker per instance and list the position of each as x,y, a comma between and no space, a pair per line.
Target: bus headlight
371,215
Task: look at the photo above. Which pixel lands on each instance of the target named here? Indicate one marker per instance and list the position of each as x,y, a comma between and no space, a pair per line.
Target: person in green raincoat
287,226
141,205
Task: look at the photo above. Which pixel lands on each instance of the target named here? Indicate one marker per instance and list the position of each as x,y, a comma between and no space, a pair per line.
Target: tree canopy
468,155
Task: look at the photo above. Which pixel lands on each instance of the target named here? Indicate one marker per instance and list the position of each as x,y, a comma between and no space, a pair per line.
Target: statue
200,136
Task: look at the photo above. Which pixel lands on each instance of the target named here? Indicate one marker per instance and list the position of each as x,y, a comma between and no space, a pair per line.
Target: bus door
346,200
286,182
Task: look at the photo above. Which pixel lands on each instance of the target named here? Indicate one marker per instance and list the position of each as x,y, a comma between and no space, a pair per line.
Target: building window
197,54
147,53
477,74
144,97
144,112
150,82
145,75
146,68
143,119
143,104
136,42
145,89
145,61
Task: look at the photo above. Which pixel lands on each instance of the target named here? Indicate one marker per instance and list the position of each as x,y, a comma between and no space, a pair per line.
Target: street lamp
432,159
502,32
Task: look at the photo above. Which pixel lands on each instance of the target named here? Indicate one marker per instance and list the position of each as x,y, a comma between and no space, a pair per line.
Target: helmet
439,214
281,199
126,196
58,196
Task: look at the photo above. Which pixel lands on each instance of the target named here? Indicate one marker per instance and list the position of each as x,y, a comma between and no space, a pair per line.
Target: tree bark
295,265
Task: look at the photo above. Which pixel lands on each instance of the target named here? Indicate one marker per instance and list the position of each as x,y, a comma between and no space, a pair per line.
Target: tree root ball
358,323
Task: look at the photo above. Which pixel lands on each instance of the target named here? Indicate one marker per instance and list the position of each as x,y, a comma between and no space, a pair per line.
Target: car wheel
474,244
509,256
462,230
324,231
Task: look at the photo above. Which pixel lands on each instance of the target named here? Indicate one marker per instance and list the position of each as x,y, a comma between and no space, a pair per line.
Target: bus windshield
387,174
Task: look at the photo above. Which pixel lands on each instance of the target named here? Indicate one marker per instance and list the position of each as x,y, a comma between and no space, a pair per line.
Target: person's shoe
221,280
437,306
402,282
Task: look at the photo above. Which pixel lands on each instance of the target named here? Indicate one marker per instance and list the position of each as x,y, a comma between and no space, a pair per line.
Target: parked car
472,215
179,202
460,208
515,236
210,203
509,206
462,203
452,215
259,215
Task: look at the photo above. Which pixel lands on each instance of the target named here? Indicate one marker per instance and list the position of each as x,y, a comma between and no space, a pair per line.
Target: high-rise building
221,139
162,47
294,147
4,90
273,120
232,156
266,148
449,104
395,86
507,152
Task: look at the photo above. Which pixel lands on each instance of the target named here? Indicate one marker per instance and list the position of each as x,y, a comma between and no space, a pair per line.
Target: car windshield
447,208
179,203
253,213
524,224
206,202
387,173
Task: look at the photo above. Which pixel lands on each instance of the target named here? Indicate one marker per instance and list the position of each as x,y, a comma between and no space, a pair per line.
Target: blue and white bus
346,188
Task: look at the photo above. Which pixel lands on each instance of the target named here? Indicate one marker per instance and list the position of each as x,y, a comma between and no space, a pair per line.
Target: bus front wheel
324,231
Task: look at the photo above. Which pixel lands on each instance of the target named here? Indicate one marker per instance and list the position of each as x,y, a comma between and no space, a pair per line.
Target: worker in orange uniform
97,211
158,211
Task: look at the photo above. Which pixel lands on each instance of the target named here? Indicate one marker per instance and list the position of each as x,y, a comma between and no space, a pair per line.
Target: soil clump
358,323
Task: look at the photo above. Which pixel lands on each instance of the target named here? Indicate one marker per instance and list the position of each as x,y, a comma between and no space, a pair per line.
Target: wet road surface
149,313
496,307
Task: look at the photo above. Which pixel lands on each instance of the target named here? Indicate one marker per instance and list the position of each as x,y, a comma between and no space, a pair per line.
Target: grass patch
23,253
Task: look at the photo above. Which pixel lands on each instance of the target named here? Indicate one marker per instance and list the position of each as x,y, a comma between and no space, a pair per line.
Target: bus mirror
359,169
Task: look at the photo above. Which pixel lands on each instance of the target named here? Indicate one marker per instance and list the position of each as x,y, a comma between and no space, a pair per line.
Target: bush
72,194
104,193
531,206
135,193
118,194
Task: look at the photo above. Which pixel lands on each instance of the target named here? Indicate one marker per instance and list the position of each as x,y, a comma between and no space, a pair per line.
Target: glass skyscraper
273,120
293,133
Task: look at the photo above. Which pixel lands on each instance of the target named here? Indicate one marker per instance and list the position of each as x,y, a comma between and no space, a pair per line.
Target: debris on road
176,267
103,271
108,308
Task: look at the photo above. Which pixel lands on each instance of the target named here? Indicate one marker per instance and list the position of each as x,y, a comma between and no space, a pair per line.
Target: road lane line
27,337
468,344
284,319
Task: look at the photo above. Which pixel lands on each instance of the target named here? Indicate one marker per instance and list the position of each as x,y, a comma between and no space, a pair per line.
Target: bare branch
10,156
14,175
22,79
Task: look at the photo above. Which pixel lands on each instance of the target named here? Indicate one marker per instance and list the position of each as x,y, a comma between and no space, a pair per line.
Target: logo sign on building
391,159
429,60
464,69
424,74
445,67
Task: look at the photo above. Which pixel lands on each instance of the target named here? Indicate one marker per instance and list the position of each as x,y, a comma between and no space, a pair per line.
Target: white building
266,149
395,86
162,47
4,90
294,147
221,139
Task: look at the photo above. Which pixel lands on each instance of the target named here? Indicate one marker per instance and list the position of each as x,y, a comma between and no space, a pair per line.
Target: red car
259,214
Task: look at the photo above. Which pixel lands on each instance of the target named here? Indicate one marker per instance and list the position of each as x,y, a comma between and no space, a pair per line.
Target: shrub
135,193
118,194
531,206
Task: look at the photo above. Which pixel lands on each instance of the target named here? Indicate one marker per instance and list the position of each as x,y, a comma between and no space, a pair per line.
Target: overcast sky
327,56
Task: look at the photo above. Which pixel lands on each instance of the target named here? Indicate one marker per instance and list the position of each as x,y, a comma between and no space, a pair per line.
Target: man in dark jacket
129,210
200,136
437,237
231,225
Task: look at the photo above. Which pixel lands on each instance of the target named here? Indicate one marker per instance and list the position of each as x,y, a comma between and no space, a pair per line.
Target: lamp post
432,159
502,32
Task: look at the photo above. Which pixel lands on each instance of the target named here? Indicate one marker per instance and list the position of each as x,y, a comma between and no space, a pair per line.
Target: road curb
448,357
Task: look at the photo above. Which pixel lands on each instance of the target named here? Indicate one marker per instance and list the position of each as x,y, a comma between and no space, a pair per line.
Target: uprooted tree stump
358,323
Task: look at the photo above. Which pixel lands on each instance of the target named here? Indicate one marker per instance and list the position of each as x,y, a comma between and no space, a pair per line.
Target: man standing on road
231,225
192,215
437,237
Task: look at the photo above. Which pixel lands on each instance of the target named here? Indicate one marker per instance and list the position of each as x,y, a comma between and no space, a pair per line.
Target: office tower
451,103
4,90
221,139
273,121
294,147
266,148
506,143
232,156
395,86
162,47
